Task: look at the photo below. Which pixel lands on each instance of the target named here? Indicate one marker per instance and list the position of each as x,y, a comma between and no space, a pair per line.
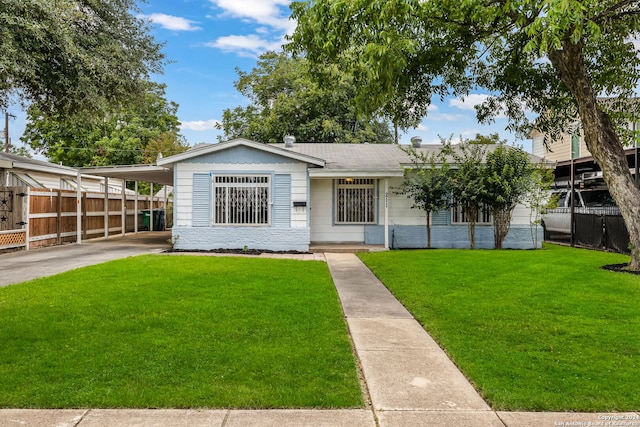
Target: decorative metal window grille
458,215
355,201
241,200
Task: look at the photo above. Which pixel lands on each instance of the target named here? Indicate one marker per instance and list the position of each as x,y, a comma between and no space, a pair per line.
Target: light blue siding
241,155
282,201
450,236
201,201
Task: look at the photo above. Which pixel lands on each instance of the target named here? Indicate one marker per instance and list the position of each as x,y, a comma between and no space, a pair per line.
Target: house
18,171
571,144
244,194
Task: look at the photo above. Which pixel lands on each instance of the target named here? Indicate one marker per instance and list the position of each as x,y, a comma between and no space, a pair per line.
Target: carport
152,174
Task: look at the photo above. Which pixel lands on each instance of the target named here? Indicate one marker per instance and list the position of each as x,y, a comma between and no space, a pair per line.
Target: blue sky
207,39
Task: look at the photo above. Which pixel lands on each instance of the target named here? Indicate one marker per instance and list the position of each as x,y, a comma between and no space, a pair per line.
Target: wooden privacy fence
36,217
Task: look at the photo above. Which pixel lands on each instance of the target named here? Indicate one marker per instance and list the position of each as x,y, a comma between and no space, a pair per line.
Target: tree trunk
501,224
428,230
472,214
602,141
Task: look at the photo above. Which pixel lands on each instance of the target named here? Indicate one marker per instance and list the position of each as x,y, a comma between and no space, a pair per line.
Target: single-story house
243,194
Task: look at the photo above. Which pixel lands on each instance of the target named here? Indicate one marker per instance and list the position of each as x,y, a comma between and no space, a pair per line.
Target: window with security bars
458,215
241,200
355,201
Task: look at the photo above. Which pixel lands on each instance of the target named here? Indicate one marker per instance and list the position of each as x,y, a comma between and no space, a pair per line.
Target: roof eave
236,142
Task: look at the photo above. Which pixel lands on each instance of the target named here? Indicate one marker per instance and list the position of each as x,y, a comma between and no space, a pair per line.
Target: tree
467,180
285,100
74,57
508,180
552,57
427,183
132,134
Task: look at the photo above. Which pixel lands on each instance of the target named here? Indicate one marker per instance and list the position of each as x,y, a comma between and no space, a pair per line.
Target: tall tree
284,99
554,57
427,183
467,180
508,180
74,56
133,134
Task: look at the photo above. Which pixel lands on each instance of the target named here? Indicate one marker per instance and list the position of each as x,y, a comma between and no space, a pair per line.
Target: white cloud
173,23
271,18
469,102
263,12
446,117
200,125
250,45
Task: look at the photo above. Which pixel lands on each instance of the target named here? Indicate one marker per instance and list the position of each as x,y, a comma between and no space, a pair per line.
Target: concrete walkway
410,380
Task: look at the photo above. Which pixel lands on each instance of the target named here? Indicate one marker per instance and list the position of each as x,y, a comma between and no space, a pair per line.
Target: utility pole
6,130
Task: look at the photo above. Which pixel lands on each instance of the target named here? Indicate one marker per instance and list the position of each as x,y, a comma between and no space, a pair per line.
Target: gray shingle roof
379,157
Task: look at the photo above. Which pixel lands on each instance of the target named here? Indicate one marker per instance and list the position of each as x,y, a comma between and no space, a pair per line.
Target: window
355,201
241,200
458,216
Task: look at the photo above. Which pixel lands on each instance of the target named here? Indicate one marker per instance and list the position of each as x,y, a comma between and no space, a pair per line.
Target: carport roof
146,173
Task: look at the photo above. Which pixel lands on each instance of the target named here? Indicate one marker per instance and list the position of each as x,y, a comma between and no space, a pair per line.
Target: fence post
26,212
59,218
79,204
123,205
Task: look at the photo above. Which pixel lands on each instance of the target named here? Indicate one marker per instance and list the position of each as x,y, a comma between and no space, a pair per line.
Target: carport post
164,217
135,209
106,207
124,208
151,209
79,209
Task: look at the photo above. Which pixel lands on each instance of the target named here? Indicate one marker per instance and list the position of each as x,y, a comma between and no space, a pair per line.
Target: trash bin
144,220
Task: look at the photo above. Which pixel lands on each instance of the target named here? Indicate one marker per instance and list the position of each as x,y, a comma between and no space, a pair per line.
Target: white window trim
356,184
229,222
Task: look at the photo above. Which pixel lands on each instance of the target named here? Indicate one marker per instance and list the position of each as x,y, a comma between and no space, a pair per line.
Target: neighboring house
17,171
241,193
571,144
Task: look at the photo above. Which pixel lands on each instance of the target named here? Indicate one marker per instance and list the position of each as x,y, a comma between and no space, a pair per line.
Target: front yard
178,331
544,330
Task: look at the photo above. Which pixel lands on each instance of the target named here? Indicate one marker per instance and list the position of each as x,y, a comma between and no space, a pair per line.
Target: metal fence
599,228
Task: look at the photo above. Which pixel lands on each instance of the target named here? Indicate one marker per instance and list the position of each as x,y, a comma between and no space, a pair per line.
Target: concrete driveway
20,266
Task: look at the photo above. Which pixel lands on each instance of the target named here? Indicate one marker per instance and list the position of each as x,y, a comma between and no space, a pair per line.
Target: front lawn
544,330
178,331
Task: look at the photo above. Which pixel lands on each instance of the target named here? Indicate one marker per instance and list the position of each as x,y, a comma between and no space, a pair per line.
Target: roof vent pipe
289,140
416,141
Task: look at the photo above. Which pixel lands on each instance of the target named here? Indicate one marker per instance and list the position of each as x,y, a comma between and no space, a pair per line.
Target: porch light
349,180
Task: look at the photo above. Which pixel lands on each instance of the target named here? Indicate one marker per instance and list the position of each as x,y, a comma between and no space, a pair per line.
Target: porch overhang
144,173
358,173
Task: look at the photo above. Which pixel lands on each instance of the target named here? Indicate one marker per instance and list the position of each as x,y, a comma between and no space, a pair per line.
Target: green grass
178,331
544,330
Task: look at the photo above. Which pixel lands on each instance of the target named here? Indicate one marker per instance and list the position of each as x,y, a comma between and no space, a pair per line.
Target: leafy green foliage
467,179
285,100
508,179
74,57
550,57
133,134
544,330
427,183
178,332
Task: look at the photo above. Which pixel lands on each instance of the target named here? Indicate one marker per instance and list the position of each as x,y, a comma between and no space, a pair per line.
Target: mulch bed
237,251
